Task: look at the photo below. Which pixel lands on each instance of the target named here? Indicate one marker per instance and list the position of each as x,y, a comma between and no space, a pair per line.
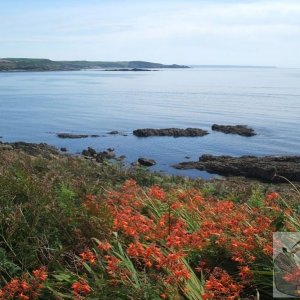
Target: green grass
43,221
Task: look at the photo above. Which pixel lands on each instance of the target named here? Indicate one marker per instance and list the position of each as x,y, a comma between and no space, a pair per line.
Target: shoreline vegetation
38,65
72,228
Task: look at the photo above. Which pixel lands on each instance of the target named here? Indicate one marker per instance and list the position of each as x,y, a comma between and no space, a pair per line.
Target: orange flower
129,184
21,296
104,246
24,285
245,273
81,288
221,286
268,249
40,274
88,256
112,265
157,193
157,239
176,205
272,196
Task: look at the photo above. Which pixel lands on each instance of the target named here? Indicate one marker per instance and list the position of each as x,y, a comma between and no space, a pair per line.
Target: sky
211,32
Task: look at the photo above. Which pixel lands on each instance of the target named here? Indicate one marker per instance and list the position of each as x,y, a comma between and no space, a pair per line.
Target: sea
35,106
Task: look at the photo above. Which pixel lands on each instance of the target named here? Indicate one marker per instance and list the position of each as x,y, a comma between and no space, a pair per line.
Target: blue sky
258,32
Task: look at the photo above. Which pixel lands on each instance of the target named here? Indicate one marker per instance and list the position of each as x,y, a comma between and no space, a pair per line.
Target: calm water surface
35,106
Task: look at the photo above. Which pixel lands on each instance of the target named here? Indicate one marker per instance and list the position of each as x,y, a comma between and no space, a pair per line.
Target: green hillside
28,64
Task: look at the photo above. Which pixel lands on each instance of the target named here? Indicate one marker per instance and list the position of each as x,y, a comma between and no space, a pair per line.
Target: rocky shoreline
44,150
268,168
275,169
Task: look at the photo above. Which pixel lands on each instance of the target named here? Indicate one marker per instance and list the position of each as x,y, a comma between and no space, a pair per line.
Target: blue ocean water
36,105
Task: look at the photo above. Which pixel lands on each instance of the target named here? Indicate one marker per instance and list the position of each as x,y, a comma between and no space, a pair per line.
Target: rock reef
175,132
75,136
242,130
99,156
146,162
133,70
267,168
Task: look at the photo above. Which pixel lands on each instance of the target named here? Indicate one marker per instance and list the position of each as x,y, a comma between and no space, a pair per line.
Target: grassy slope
46,220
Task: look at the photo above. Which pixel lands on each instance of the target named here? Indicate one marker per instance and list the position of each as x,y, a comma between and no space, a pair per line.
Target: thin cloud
132,27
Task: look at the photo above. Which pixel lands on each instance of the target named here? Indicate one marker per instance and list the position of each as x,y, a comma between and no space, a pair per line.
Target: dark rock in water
268,168
234,129
133,69
90,152
147,162
75,136
72,136
101,156
108,154
114,132
187,157
63,149
85,152
175,132
110,149
120,158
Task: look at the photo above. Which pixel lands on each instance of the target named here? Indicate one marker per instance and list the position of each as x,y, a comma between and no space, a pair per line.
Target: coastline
49,152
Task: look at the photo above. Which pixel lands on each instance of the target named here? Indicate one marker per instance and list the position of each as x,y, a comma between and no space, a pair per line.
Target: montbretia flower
88,256
272,196
104,246
81,288
40,274
157,193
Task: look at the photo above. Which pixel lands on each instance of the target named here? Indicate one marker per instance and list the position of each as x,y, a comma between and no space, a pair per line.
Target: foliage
73,229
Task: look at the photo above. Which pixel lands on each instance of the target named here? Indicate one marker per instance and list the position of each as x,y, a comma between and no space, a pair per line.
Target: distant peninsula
30,64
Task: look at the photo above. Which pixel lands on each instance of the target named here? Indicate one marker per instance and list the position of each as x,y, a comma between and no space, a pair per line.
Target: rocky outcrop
268,168
175,132
146,162
116,132
99,156
90,152
42,149
75,136
234,129
6,147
